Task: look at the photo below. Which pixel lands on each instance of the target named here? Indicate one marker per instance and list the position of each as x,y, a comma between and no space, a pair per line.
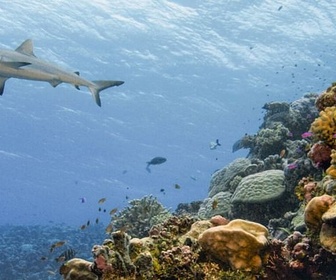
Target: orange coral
327,98
331,171
324,126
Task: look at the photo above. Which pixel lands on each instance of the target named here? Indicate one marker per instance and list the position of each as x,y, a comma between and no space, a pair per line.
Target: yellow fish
56,244
102,200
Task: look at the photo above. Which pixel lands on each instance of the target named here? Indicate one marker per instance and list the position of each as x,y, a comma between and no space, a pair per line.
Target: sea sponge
240,243
324,126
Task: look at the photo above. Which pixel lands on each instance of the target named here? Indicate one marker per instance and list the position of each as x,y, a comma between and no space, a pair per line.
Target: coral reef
140,216
280,202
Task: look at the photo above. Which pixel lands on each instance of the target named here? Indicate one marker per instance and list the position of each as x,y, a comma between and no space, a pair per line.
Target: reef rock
239,243
77,269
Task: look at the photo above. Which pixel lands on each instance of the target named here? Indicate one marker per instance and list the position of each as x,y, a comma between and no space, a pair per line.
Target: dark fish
177,186
56,244
43,258
279,9
104,210
66,255
88,223
97,221
102,200
83,227
155,161
99,209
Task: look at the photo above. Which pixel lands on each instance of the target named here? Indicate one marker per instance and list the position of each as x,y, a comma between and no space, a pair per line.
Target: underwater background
194,71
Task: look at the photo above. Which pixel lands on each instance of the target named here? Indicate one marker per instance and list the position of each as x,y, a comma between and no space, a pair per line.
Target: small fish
66,255
104,210
282,153
306,134
155,161
43,258
56,245
124,228
214,144
88,223
113,211
109,229
177,186
102,200
214,204
51,272
99,209
279,9
83,227
97,221
82,199
292,166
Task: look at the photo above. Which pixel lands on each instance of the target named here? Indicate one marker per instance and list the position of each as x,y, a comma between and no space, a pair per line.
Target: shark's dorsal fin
26,48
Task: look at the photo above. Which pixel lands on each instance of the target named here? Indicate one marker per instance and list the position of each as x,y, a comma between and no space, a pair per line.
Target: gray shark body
23,64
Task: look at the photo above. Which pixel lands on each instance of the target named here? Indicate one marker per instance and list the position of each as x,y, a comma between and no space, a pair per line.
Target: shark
22,63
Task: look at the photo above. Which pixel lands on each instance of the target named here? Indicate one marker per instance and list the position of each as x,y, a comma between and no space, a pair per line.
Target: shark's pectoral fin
2,84
26,48
14,64
55,83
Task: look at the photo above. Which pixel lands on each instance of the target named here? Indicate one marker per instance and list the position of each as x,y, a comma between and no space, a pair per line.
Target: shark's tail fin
101,85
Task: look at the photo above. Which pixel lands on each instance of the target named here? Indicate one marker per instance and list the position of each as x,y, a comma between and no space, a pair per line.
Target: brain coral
260,187
240,243
324,126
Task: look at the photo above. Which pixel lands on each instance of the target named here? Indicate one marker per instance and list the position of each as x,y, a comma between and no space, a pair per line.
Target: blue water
194,71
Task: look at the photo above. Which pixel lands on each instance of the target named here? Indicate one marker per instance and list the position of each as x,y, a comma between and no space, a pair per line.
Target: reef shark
22,63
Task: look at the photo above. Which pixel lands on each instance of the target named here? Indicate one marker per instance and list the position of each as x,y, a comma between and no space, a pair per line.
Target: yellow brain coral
324,126
240,243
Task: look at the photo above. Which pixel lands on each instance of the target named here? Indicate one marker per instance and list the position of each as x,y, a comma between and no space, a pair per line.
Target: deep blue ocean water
194,72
